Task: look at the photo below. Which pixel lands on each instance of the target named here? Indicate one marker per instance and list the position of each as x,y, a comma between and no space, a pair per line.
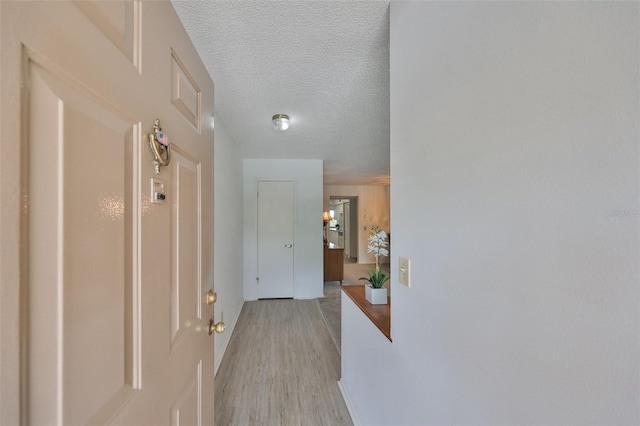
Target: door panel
186,246
188,298
276,224
119,22
186,409
78,201
185,94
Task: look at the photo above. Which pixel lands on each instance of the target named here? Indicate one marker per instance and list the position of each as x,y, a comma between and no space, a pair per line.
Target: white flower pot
375,296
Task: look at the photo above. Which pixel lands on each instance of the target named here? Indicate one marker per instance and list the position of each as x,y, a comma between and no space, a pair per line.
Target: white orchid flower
377,244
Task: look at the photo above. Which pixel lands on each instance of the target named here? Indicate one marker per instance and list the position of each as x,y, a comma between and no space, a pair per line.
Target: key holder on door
160,146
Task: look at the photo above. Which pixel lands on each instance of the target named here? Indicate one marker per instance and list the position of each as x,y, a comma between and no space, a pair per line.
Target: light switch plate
404,269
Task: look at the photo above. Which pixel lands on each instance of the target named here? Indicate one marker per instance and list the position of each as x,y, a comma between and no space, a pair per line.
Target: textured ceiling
324,63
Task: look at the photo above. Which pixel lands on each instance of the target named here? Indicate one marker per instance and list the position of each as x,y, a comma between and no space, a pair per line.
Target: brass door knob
218,327
212,296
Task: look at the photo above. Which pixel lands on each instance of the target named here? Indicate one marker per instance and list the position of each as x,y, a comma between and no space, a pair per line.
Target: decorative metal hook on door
160,146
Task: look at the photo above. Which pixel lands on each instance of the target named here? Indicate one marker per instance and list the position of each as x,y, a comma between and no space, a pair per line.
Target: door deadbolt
211,297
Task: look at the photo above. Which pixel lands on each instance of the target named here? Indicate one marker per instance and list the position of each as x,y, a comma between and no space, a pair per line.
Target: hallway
281,368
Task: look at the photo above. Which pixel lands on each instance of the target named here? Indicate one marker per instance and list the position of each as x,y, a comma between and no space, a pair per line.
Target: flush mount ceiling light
280,122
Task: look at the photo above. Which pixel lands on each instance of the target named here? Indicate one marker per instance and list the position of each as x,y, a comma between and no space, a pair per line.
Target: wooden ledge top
380,315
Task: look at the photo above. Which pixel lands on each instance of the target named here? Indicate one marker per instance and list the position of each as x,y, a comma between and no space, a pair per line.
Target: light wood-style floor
281,368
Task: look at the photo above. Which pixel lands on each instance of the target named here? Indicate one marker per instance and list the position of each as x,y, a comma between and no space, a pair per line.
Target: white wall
227,255
308,278
514,182
373,209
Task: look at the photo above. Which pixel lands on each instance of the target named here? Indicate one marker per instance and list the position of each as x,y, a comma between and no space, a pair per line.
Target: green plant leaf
376,278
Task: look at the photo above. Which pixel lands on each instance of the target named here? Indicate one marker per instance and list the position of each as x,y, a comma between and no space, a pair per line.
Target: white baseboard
229,329
347,401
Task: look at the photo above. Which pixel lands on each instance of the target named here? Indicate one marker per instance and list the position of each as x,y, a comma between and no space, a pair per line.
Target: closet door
276,225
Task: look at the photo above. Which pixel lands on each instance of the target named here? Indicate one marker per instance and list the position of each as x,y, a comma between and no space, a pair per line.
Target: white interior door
110,286
276,225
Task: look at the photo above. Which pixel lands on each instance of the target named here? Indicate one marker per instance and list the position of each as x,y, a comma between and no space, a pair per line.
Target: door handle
211,297
288,245
217,327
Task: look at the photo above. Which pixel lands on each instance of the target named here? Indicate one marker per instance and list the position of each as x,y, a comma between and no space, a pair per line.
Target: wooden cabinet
333,263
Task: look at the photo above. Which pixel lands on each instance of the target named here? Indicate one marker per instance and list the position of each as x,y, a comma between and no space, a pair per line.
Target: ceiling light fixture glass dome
280,122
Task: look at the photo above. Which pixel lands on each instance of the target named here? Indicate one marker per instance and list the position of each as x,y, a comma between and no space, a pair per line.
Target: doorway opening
343,227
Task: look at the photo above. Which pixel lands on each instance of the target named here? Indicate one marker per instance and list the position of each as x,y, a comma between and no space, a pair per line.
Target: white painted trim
230,328
326,323
347,401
